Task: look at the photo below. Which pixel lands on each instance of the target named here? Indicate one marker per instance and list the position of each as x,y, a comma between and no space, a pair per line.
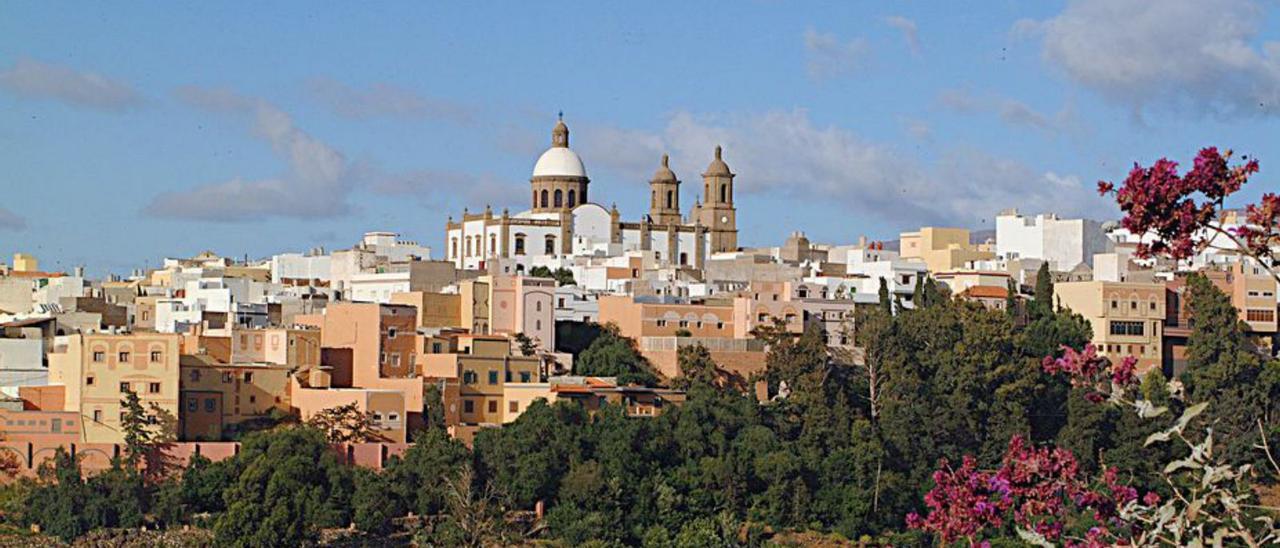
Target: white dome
559,162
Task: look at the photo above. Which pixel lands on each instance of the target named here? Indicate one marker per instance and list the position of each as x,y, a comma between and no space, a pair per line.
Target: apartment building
476,372
507,305
1127,318
941,249
97,369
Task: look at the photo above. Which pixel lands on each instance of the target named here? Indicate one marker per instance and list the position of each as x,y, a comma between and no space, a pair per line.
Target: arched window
544,198
493,244
479,246
519,244
684,258
654,202
573,198
670,199
559,200
454,248
550,248
468,247
724,193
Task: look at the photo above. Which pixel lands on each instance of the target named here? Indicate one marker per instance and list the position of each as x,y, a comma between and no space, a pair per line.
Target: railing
714,344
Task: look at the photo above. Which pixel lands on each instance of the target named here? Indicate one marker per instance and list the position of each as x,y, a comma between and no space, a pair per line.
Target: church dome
559,162
718,167
664,173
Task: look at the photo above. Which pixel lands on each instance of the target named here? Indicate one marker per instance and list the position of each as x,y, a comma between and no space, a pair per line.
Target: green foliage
612,355
415,476
527,347
1043,303
562,276
288,485
696,367
1224,366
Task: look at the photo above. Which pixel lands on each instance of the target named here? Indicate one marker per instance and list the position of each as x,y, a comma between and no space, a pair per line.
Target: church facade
562,222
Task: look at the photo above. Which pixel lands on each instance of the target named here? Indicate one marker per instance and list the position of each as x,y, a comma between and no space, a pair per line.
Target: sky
133,132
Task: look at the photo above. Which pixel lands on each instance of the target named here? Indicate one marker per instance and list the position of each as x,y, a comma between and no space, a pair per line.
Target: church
562,222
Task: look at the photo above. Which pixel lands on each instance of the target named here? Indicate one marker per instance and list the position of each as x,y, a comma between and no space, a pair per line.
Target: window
684,258
524,376
124,387
124,357
97,415
684,323
88,381
253,399
519,244
226,377
391,332
153,388
670,199
194,375
513,407
559,198
662,323
544,198
538,306
573,198
393,417
395,359
493,244
493,406
193,405
1127,328
453,247
493,377
1114,303
724,193
99,356
377,416
155,356
248,377
549,247
469,406
469,377
1260,315
210,405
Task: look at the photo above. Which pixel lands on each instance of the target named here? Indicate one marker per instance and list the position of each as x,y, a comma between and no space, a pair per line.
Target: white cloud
385,100
37,80
11,221
1202,55
909,31
1011,111
785,154
829,57
316,184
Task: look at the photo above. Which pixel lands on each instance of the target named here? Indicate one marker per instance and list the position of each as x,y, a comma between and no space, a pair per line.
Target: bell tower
717,212
664,201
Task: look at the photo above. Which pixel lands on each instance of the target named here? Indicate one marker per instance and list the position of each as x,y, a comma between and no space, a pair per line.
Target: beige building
477,371
216,395
435,310
97,370
1127,318
507,305
941,249
23,262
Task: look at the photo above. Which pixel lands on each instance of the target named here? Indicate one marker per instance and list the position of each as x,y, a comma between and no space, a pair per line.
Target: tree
414,476
345,424
1043,303
288,484
613,355
885,303
143,431
57,505
527,347
562,276
1180,211
696,367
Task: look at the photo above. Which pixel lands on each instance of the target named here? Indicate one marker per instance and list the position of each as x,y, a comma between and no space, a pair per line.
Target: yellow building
1127,318
23,262
434,309
941,249
476,371
216,395
97,370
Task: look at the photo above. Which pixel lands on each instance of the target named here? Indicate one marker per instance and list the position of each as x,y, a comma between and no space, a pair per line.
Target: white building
22,363
1064,243
563,223
299,269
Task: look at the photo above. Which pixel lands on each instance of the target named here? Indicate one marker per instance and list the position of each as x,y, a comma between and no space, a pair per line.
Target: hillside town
221,345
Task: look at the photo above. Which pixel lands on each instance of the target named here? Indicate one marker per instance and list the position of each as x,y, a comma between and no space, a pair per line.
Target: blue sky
132,133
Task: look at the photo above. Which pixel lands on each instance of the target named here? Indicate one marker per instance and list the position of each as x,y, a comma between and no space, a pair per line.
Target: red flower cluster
1087,368
1262,232
1038,488
1177,207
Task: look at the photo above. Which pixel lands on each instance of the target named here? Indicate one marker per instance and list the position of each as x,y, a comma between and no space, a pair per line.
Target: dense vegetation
849,451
